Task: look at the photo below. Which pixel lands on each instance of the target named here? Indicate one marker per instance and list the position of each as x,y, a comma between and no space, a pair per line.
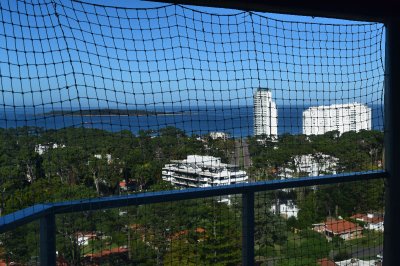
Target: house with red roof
108,252
341,228
95,259
326,262
83,238
372,221
199,231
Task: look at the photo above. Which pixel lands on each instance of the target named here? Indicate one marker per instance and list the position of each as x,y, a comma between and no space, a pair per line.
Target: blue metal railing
46,212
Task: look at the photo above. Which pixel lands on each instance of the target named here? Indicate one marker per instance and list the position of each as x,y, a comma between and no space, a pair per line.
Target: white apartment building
315,164
202,171
341,117
309,165
265,113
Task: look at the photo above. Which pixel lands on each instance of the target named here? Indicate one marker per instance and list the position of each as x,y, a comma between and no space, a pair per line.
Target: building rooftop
204,161
108,252
341,226
326,262
263,89
368,218
337,105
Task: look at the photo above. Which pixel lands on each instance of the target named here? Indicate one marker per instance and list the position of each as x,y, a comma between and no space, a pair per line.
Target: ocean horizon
236,120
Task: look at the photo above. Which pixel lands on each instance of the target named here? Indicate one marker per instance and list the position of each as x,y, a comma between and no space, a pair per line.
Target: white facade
315,164
286,210
341,117
309,165
219,135
202,171
372,221
107,156
356,262
83,239
379,226
265,114
43,148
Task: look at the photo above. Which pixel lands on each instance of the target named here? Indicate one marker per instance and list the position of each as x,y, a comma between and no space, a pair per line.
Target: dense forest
38,166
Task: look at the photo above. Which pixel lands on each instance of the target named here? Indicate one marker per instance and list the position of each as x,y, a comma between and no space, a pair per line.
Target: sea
237,121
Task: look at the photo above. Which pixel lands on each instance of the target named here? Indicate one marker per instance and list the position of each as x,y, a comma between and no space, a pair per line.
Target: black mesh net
100,101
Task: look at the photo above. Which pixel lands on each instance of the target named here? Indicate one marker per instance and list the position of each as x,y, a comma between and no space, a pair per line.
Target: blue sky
85,55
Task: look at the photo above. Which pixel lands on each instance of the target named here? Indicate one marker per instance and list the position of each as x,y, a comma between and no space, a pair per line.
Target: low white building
309,165
107,156
42,148
202,171
356,262
318,120
218,135
375,226
286,210
84,238
372,221
315,164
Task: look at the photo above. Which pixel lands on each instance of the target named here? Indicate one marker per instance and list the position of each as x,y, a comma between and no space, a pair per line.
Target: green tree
270,229
308,213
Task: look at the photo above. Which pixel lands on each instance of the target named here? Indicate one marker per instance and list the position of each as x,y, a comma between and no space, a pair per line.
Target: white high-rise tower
265,114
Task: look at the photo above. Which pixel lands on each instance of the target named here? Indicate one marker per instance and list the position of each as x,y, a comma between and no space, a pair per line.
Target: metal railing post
48,240
392,143
248,228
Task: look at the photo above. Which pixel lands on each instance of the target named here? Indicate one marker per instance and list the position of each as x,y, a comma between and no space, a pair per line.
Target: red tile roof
364,218
9,263
357,216
198,230
326,262
86,234
103,253
341,226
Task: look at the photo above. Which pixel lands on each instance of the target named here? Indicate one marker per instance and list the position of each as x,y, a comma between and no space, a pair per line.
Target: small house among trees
371,221
339,228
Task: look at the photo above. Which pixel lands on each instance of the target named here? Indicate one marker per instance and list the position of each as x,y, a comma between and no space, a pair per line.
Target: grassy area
303,248
96,246
369,239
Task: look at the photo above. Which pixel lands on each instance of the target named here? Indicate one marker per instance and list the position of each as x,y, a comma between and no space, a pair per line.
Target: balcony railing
46,212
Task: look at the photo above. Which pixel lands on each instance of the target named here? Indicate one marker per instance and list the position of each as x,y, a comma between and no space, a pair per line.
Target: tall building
341,117
202,171
265,114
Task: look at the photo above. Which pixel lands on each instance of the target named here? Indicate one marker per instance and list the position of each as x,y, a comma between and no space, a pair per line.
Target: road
241,154
360,253
367,252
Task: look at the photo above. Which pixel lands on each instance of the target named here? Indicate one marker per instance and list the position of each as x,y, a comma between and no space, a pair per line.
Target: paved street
241,155
367,252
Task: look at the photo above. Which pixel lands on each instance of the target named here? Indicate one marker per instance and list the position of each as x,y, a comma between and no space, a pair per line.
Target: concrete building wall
341,117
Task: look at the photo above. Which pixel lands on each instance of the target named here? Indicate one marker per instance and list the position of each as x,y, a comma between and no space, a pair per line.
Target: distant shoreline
109,112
